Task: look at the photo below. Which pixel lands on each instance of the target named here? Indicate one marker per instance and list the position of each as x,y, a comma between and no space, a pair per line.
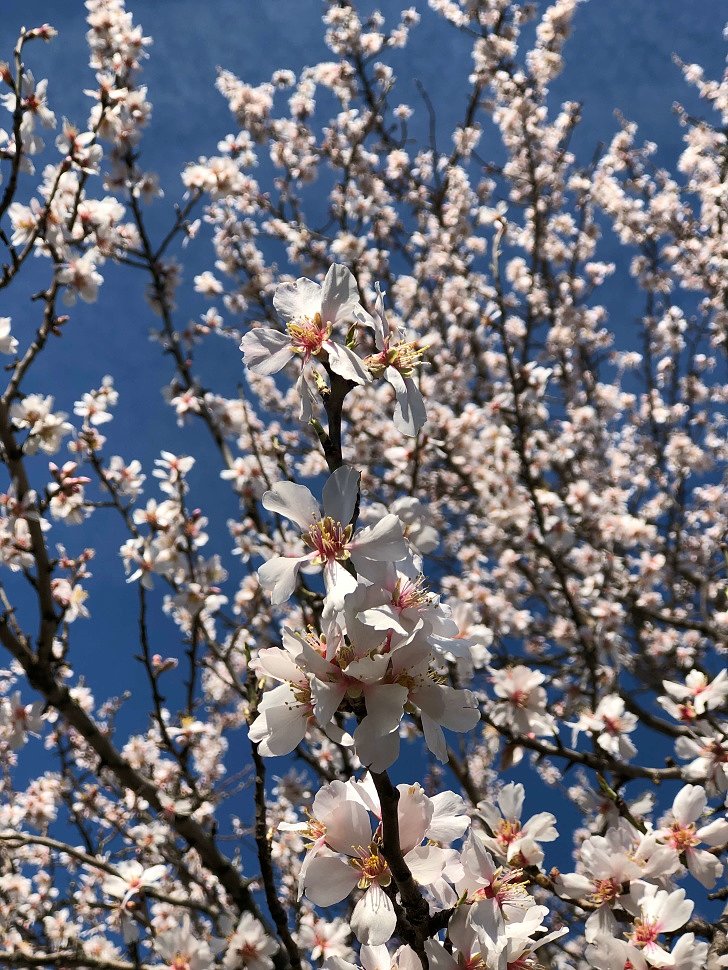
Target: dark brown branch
262,842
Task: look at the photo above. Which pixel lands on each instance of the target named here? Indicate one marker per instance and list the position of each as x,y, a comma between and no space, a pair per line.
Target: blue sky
620,57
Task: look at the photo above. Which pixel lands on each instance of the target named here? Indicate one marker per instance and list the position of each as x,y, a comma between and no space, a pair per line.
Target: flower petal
340,494
449,818
456,709
704,866
266,351
345,362
715,832
278,664
374,749
409,406
339,295
339,582
278,576
295,300
373,920
281,723
434,738
426,863
383,542
689,804
329,880
326,700
511,799
348,827
295,502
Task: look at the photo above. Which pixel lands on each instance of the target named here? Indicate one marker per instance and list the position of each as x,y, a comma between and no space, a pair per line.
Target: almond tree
480,532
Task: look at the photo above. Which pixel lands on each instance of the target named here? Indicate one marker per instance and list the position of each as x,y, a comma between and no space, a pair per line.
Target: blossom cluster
418,622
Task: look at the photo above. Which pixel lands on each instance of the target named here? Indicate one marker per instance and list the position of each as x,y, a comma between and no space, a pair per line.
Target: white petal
369,670
600,923
279,727
115,886
410,413
314,662
346,363
449,818
278,576
510,800
455,709
541,827
153,874
375,958
326,698
339,295
461,933
714,833
329,880
376,750
414,810
704,866
574,885
385,704
373,920
383,542
266,351
295,300
381,618
677,911
340,494
657,956
295,502
348,827
339,963
338,735
278,664
307,394
689,804
477,859
486,918
426,863
550,937
434,738
339,583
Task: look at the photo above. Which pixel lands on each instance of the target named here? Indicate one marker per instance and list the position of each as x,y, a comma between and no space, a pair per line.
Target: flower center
316,829
519,698
612,725
316,641
606,890
248,951
474,962
372,866
717,752
508,831
645,931
410,594
330,540
307,335
301,694
507,886
682,837
403,356
687,712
